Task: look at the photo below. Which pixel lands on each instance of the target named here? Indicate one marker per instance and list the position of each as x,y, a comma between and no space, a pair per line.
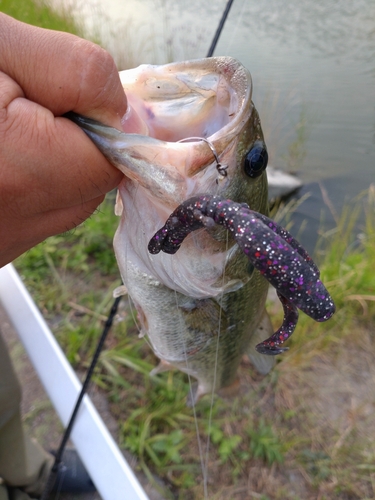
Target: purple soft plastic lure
270,248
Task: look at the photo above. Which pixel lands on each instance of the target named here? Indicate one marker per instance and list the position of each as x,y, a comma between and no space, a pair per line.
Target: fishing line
199,443
222,171
215,372
204,467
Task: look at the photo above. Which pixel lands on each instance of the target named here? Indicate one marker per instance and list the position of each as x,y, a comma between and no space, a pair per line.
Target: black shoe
72,476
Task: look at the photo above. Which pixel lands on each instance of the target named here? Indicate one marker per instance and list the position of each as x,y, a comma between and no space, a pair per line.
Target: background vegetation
40,13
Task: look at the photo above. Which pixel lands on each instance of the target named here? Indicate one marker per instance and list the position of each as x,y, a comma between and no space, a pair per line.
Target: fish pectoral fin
200,390
230,390
232,285
119,291
197,391
194,395
263,364
163,366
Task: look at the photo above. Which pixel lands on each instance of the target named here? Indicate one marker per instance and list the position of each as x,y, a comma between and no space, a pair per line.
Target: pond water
313,69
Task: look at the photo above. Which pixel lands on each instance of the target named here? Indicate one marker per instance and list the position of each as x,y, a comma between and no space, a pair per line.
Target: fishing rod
107,326
58,456
219,28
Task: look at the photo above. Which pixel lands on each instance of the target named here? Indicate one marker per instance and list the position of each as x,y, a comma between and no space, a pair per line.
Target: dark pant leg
23,463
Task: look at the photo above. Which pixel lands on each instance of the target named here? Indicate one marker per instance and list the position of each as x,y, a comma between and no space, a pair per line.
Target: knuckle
98,71
9,91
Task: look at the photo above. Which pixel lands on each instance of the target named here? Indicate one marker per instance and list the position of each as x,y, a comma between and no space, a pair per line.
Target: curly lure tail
270,248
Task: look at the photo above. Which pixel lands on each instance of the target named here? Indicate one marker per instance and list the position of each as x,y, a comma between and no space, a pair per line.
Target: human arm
51,176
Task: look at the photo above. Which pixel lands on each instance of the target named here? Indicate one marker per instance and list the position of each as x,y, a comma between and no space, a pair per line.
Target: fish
201,308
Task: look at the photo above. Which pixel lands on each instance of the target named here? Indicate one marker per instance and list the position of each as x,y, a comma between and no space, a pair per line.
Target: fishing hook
222,169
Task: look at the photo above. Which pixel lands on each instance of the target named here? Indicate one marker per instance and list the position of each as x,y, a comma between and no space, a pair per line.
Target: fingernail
132,123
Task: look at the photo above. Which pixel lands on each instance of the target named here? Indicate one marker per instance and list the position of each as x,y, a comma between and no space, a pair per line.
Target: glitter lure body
270,248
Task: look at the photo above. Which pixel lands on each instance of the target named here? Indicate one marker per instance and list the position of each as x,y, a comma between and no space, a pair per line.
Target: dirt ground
40,417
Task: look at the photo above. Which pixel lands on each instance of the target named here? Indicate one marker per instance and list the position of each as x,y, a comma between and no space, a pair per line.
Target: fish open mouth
175,101
191,117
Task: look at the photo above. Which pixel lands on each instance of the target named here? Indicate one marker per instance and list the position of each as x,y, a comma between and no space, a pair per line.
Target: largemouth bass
203,307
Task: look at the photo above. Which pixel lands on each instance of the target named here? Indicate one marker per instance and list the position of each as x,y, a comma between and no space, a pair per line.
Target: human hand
51,175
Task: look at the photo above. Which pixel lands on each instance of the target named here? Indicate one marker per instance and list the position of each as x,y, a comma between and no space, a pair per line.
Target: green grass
40,13
72,277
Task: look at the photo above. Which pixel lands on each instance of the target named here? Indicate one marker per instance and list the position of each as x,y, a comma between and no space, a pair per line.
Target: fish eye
256,159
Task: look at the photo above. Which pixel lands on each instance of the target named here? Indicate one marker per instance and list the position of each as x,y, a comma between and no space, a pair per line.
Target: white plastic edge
102,458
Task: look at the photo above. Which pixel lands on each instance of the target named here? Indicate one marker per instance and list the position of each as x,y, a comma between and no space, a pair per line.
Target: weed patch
40,13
